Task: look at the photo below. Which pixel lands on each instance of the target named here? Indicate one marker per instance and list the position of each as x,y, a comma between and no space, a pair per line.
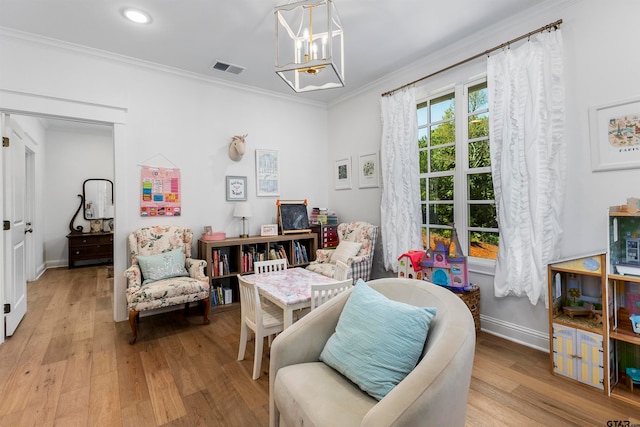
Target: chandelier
309,45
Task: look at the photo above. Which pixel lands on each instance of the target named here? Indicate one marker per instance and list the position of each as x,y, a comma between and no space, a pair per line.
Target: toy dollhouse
409,264
446,265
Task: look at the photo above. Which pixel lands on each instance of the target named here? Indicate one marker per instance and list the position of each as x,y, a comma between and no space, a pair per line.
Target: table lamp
243,210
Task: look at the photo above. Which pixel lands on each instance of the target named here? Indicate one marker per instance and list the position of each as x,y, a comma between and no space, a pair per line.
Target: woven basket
472,299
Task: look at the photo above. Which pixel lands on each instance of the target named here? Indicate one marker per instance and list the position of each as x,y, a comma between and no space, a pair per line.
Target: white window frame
461,200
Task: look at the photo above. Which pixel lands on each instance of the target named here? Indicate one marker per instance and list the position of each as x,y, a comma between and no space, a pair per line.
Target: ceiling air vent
229,68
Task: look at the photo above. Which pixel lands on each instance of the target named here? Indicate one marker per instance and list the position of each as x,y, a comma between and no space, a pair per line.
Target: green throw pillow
377,341
162,266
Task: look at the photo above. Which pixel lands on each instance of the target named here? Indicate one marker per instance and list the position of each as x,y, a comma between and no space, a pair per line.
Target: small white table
289,289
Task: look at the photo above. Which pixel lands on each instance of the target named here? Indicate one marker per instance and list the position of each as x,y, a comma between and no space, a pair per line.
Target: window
455,170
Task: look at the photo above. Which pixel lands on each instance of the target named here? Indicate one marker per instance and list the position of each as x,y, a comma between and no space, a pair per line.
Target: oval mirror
98,198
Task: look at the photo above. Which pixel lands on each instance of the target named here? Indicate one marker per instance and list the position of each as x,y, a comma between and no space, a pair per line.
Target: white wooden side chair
342,272
270,265
264,320
323,293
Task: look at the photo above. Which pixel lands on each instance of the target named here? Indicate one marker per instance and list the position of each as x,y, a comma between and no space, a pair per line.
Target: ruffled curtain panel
400,204
528,161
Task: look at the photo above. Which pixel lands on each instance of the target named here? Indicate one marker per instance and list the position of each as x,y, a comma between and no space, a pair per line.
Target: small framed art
236,188
267,173
269,230
369,170
615,136
343,174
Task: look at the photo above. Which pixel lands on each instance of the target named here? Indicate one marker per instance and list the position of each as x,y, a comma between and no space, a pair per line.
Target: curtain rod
553,25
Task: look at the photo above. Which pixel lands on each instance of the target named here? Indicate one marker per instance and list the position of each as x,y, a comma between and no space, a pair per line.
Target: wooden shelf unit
623,299
233,249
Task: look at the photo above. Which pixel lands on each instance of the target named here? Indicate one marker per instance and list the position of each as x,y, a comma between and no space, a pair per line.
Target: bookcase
230,257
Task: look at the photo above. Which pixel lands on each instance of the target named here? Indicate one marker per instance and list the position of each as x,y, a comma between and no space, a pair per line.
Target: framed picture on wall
236,188
343,174
267,173
369,170
615,135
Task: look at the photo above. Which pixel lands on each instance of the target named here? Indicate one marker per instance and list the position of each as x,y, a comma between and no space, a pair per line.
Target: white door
15,283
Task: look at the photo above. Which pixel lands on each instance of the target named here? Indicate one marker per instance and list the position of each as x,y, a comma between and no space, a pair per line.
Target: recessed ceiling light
136,15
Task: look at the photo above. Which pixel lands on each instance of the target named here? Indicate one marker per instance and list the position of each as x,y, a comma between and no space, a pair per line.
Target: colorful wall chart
160,192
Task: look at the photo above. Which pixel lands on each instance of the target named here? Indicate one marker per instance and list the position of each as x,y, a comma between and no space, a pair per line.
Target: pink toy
446,266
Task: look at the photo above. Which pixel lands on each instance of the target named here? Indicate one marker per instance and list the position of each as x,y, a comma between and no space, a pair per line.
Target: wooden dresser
327,235
97,247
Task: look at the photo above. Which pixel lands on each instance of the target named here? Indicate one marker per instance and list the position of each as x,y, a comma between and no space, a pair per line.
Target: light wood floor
69,364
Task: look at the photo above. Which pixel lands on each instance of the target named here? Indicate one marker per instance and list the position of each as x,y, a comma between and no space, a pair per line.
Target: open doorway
44,107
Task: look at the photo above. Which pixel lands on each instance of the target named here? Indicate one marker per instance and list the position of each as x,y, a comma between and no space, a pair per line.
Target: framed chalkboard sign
293,216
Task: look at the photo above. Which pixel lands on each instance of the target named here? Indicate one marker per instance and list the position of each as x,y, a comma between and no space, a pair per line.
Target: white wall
189,121
599,68
72,157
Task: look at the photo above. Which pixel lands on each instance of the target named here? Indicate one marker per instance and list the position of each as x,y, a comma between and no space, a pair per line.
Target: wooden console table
97,247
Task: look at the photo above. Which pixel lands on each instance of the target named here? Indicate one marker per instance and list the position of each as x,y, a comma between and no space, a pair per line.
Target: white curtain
400,206
528,161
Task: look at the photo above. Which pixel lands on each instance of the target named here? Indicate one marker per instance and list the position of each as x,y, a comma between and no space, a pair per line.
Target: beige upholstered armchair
360,262
305,391
162,272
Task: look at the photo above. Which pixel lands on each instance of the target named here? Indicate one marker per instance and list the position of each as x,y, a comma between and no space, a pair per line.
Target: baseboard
516,333
40,270
56,263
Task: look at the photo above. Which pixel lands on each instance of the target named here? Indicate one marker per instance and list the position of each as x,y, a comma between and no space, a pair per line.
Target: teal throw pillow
162,266
377,341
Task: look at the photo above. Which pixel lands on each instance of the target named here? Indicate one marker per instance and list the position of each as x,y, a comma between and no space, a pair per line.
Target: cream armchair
360,264
172,276
303,391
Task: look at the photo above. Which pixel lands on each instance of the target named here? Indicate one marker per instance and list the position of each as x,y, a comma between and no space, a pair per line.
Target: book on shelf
282,252
215,296
225,264
248,257
300,253
228,295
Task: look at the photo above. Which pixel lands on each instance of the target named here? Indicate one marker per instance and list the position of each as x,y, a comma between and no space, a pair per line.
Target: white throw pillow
344,251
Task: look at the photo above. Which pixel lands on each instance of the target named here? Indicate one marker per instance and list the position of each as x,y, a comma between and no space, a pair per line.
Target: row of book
220,263
299,253
251,254
221,295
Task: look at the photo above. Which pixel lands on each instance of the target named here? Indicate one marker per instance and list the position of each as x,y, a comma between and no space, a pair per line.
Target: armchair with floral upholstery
162,272
360,264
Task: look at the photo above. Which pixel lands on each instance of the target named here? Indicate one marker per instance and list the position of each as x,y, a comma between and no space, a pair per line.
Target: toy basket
472,299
